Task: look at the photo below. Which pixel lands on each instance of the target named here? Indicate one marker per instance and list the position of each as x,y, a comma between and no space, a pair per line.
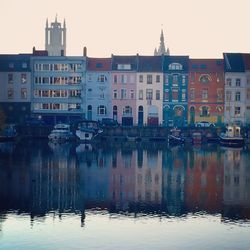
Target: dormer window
175,66
124,66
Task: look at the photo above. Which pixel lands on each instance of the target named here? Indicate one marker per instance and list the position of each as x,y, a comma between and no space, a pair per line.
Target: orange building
206,90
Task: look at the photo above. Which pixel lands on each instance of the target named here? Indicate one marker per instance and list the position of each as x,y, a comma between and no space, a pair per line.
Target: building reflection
204,180
174,181
236,188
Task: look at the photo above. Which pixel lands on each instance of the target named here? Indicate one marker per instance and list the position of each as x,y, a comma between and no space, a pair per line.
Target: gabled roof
15,63
150,63
98,64
233,62
168,60
206,65
124,60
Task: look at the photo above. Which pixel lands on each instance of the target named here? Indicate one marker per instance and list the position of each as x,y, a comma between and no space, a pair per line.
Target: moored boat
88,130
175,137
61,133
232,137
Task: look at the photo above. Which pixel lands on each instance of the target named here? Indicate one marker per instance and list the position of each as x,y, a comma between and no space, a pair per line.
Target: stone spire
162,48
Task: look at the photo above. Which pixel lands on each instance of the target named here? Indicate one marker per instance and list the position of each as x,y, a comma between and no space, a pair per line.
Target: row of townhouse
134,90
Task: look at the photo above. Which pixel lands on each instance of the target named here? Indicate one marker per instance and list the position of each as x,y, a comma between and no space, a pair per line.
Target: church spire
162,49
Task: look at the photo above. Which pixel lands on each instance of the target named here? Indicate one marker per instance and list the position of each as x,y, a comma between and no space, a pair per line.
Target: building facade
58,88
175,89
123,82
15,84
149,90
206,90
235,89
98,89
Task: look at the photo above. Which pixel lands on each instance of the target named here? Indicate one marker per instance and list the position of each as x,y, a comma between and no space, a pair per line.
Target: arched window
140,108
205,78
101,110
175,66
178,111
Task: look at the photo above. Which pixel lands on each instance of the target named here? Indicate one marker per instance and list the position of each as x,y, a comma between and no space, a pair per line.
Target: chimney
85,51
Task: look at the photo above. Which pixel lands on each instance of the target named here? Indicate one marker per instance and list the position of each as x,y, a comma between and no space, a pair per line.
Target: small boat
61,133
9,133
175,137
88,130
232,137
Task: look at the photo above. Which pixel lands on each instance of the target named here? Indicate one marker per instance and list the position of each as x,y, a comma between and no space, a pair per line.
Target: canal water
129,196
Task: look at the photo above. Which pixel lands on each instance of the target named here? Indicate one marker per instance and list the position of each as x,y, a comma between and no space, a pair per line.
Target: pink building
123,82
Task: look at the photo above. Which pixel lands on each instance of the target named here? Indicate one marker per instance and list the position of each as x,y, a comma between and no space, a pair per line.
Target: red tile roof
98,64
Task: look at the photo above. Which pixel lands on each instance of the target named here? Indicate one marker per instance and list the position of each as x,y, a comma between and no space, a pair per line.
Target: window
23,93
166,79
101,110
102,78
24,65
158,78
10,78
157,95
229,82
11,65
124,66
123,93
23,78
123,78
89,78
127,111
149,94
219,95
204,111
183,95
115,79
140,94
115,94
205,79
140,78
175,66
132,94
149,79
237,82
166,96
175,79
228,96
237,111
192,94
237,96
204,94
10,93
175,95
183,79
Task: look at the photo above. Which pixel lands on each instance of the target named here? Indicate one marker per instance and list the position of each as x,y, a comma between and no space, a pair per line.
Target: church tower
162,48
55,38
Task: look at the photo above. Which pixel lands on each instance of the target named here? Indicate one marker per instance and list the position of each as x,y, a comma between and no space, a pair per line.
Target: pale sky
198,28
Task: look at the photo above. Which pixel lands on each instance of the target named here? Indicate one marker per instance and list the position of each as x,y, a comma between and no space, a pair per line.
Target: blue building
58,88
98,89
175,89
15,85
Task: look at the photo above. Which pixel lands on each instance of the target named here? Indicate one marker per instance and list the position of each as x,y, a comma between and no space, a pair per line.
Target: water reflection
137,179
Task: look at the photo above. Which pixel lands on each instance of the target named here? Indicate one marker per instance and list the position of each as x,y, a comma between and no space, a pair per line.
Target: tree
2,118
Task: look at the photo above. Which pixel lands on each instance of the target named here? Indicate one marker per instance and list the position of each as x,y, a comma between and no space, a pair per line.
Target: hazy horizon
195,28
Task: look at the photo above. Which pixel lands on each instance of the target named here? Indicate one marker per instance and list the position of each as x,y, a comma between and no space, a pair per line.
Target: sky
198,28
